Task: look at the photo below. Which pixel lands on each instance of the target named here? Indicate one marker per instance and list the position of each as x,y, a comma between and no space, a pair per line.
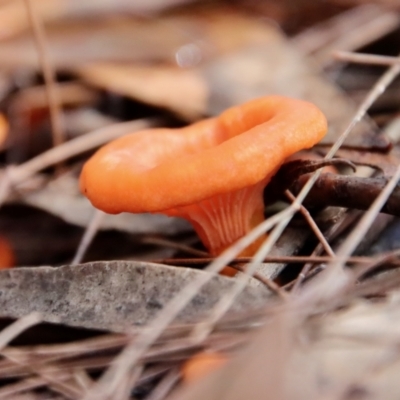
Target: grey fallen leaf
62,198
111,295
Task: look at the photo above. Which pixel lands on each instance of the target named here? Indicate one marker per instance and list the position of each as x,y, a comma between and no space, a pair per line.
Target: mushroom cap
161,169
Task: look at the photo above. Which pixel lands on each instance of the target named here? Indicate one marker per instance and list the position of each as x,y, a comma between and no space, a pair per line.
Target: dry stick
362,58
310,220
178,246
9,391
125,389
351,192
355,237
89,234
66,388
20,173
48,74
133,351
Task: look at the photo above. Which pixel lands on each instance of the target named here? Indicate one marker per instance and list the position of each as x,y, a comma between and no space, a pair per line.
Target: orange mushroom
7,256
202,364
4,130
212,172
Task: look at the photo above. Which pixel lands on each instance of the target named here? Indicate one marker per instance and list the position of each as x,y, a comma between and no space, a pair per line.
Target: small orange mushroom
7,256
202,364
4,129
212,172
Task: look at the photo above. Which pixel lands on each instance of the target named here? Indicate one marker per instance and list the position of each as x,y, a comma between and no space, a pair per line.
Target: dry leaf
182,91
111,295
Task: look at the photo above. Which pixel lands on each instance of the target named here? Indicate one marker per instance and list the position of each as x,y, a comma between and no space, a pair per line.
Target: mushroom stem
222,219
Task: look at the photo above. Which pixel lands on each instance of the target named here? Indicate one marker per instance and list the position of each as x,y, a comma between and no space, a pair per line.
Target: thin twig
17,327
362,58
9,391
88,236
165,386
178,246
63,387
66,387
331,234
267,282
48,74
380,25
321,35
269,259
314,227
304,272
384,259
82,378
125,389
